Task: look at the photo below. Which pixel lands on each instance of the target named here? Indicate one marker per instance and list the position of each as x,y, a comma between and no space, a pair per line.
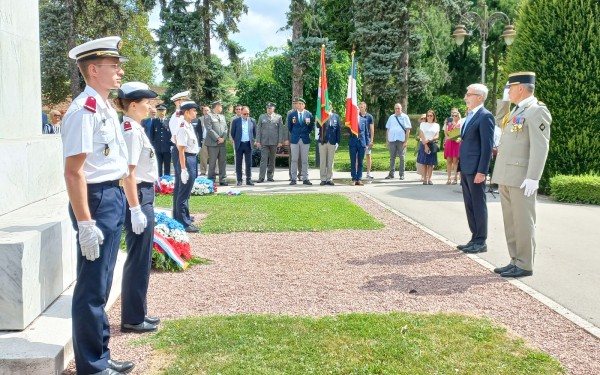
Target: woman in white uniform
188,148
134,100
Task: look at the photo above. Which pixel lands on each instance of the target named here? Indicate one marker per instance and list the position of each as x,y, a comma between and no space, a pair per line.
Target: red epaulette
177,113
90,104
126,126
182,125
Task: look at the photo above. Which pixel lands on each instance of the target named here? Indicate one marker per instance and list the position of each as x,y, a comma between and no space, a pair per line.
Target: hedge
576,189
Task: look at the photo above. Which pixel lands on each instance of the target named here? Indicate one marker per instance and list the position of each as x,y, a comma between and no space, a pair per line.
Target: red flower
157,248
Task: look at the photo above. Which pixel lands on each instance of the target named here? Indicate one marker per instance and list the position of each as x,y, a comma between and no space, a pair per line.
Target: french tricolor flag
351,100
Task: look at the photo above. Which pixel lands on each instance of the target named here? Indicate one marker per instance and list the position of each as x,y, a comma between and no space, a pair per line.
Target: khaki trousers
518,212
204,159
326,156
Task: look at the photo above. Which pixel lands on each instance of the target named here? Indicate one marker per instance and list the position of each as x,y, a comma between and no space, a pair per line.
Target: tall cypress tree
560,41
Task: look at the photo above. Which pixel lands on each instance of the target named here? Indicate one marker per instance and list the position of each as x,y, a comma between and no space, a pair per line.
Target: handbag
433,146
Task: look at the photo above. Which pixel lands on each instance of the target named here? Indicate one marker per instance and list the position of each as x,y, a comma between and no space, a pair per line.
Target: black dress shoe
223,184
475,248
108,371
249,183
323,183
121,367
239,183
260,181
293,182
508,267
330,183
516,272
192,229
151,320
138,328
306,182
462,247
270,180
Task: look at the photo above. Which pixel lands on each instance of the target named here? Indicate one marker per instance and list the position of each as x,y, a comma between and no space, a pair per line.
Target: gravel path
350,271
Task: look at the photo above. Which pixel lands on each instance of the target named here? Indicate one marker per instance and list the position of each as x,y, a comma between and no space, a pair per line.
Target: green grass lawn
276,213
397,343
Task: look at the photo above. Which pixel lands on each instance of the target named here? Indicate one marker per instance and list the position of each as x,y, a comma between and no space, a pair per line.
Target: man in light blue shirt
243,132
397,135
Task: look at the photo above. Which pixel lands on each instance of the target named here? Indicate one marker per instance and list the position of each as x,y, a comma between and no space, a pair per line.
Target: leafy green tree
181,49
560,42
67,23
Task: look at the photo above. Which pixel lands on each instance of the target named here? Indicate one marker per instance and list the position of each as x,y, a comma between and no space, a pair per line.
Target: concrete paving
567,262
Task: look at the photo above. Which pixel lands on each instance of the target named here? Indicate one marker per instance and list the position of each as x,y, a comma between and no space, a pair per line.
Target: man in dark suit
477,140
160,136
243,132
327,142
300,123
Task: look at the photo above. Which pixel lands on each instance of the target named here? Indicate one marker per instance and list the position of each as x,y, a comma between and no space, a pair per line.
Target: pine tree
560,41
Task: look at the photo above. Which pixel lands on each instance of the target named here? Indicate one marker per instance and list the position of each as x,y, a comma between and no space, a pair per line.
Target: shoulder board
90,104
126,126
541,103
177,113
182,125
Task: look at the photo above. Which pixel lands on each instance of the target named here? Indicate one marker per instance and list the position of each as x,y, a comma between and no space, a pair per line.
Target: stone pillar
37,256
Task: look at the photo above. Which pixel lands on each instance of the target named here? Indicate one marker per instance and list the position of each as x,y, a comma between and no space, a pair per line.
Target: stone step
37,259
46,346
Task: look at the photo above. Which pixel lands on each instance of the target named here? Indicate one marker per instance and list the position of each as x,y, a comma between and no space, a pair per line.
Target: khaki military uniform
270,133
216,127
522,155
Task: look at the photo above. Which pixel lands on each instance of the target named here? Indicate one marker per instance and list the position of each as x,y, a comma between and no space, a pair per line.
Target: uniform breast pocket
103,140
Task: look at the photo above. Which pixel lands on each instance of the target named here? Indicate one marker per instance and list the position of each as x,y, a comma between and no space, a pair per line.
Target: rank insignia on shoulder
541,103
126,126
90,104
177,113
182,125
542,127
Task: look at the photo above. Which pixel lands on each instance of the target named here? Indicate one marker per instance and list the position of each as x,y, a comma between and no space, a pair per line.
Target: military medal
517,125
106,150
293,120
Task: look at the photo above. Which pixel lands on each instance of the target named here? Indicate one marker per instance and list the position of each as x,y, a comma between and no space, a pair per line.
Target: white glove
90,239
185,176
530,186
336,146
138,220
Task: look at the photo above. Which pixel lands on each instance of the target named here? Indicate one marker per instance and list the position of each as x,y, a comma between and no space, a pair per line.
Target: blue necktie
300,117
464,127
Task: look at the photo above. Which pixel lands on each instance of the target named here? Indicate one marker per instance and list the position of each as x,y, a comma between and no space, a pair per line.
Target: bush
576,189
560,41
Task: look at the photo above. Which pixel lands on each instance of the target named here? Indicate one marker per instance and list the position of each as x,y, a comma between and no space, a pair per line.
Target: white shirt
96,134
186,136
429,129
140,151
174,125
395,131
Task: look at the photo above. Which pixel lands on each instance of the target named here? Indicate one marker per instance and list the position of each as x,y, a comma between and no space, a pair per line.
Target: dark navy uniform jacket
332,130
300,129
364,133
160,135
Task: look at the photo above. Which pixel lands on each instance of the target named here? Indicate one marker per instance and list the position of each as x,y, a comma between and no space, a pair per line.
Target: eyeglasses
114,66
469,94
57,116
245,114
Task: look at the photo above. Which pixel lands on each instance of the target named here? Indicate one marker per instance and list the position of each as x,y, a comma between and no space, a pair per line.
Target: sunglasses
57,116
454,115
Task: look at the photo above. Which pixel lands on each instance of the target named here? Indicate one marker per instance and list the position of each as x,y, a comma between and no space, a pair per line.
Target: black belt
189,154
145,184
108,183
